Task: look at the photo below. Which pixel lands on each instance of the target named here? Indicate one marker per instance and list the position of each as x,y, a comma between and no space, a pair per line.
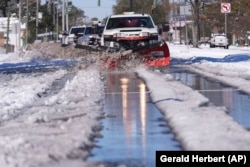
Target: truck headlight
107,36
119,35
144,34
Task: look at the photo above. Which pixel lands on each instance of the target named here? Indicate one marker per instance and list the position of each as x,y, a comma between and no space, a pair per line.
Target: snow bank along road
51,130
197,125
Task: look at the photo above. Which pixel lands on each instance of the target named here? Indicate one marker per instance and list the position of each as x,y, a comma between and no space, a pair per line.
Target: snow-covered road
57,130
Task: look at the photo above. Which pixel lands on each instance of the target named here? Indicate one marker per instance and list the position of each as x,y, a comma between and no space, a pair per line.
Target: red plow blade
155,55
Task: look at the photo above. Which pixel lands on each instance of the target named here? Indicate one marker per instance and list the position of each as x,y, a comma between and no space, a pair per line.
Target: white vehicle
74,33
129,31
219,40
91,36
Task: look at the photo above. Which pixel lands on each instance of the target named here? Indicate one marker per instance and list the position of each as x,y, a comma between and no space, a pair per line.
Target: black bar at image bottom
203,158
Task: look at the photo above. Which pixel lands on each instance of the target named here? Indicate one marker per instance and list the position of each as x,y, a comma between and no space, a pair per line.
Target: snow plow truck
132,34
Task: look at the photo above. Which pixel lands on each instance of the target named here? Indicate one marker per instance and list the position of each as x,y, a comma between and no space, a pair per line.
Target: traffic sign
225,7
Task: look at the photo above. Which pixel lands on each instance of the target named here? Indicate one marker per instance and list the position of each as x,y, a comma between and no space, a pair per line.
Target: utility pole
20,15
37,8
63,16
180,21
27,22
67,16
8,28
57,4
131,5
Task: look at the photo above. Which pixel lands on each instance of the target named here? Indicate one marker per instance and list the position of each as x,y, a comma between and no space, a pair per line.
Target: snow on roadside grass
197,125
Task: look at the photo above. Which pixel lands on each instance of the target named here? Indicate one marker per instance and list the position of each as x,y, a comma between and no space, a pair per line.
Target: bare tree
196,7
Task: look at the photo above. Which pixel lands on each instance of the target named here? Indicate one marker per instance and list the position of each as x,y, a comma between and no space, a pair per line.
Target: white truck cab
129,31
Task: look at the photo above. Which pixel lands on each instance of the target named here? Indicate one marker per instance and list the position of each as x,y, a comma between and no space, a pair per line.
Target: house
10,34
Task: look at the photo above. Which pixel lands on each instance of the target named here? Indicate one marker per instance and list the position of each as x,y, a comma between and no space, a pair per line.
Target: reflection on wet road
237,103
134,128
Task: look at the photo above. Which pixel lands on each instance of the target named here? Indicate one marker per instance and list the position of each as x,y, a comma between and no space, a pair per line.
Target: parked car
219,40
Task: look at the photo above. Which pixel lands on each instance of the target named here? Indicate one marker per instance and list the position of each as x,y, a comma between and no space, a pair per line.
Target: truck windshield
125,22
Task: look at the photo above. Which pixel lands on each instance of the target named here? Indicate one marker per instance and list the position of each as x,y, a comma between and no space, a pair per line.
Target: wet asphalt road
134,128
